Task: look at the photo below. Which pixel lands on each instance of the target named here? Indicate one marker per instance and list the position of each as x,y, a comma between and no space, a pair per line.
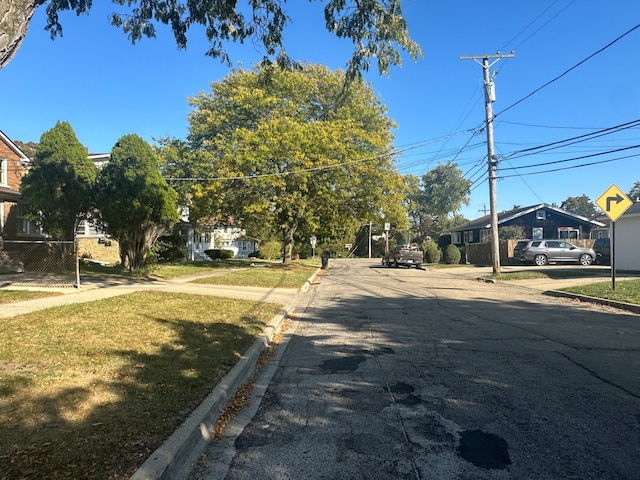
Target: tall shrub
451,255
431,252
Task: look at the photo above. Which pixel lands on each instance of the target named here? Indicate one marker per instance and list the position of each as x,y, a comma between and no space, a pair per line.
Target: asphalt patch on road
401,387
403,394
344,364
484,450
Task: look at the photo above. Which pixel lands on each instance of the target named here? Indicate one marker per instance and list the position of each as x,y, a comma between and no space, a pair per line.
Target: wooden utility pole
492,160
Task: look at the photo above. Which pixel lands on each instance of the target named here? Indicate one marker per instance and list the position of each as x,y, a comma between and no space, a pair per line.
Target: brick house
13,165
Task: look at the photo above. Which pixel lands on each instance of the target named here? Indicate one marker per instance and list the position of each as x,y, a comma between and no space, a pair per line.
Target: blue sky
104,87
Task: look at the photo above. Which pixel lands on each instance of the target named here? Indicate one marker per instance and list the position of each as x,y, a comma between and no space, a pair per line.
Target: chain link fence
39,263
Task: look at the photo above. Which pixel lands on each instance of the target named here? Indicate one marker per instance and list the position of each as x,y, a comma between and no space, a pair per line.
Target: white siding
627,242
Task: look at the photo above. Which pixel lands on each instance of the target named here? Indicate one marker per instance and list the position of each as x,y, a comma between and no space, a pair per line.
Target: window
541,214
87,228
3,171
25,227
465,237
537,233
568,234
455,238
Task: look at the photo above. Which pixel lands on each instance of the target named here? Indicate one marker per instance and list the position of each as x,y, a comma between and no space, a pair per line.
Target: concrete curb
630,307
187,443
310,280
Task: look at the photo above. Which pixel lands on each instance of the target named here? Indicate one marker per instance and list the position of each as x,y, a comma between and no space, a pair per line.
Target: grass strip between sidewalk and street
627,291
14,295
273,275
90,390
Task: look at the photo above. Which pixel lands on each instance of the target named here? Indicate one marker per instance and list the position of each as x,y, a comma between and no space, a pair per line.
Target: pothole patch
484,450
344,364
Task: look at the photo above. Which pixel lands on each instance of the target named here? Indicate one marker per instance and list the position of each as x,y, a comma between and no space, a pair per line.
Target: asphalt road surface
413,374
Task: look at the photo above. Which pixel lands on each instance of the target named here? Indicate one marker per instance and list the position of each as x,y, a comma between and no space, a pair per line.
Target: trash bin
325,260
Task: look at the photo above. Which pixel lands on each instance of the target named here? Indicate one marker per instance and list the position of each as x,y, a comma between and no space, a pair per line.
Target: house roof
13,146
634,209
485,222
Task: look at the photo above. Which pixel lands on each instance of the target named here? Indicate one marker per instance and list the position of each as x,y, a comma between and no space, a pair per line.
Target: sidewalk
98,289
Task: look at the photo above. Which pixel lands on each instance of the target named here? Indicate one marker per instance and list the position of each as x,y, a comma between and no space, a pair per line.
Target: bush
270,250
452,255
443,241
217,253
431,252
169,248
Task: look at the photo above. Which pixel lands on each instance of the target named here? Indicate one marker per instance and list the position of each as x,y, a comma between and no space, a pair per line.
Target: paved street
412,374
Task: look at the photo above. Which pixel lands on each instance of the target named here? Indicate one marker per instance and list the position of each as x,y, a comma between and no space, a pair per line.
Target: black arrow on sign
617,199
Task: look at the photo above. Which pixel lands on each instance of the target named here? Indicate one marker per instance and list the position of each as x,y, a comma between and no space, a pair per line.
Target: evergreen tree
57,189
136,204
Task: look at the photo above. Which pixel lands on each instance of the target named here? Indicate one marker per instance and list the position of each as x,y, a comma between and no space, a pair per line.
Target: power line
572,167
554,127
575,158
525,182
567,71
539,28
574,140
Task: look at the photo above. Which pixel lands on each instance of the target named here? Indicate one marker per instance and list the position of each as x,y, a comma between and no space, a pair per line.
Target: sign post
613,203
313,241
387,227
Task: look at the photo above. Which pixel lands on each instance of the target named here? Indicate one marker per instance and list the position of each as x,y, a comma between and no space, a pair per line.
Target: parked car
517,250
409,255
541,252
602,247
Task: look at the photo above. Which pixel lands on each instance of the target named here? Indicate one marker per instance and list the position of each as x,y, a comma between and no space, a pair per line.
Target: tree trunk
289,231
15,16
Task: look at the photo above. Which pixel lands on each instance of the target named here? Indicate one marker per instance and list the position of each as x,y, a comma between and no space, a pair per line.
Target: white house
218,236
627,235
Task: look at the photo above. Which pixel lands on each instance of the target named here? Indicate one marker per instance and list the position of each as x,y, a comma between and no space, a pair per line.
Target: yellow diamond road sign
613,202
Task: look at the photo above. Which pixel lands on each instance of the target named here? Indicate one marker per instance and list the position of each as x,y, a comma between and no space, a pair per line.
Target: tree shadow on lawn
106,426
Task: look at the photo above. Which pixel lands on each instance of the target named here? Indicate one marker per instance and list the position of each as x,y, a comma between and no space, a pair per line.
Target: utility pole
492,160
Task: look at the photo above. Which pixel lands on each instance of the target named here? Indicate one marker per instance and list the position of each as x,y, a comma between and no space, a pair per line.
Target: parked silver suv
541,252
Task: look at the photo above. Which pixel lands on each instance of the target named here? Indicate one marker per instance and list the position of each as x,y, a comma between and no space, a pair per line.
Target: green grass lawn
90,390
627,291
564,273
13,295
273,275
